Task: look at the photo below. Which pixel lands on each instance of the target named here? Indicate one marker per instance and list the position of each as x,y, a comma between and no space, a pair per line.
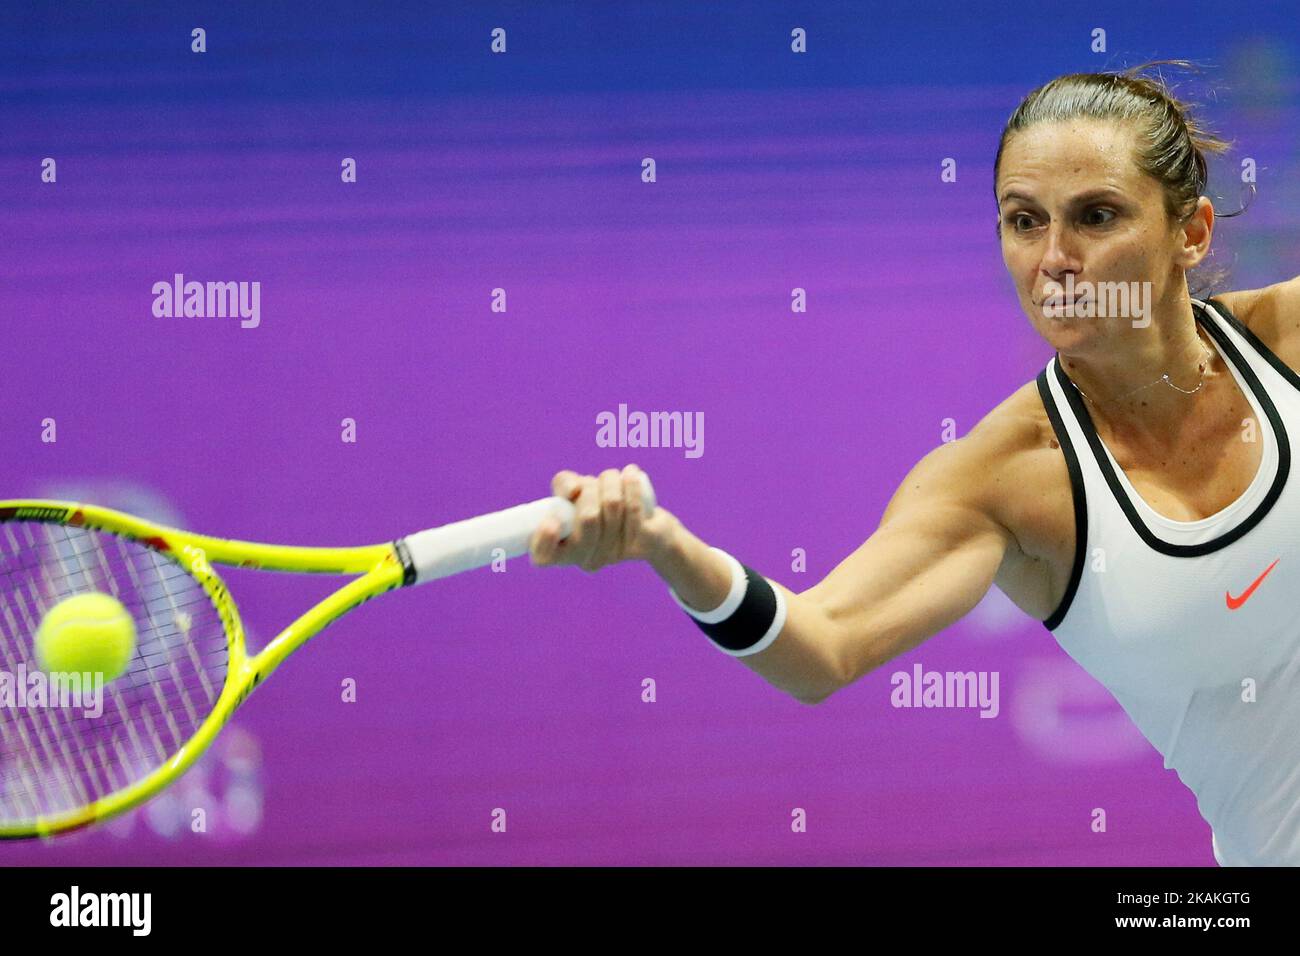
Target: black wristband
749,619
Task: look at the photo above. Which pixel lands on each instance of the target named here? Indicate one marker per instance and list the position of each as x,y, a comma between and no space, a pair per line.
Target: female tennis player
1134,497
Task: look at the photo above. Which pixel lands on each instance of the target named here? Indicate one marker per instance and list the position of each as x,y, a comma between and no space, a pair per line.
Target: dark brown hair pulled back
1172,142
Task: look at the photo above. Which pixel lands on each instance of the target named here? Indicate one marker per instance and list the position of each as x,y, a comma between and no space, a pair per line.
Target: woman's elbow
842,669
834,680
811,699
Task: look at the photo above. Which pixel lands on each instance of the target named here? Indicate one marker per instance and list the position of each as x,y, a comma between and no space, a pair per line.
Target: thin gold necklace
1163,378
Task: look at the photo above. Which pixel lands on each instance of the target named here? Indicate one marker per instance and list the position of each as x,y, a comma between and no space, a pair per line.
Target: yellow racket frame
381,567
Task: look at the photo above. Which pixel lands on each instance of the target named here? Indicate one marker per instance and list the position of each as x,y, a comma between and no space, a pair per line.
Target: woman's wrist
696,574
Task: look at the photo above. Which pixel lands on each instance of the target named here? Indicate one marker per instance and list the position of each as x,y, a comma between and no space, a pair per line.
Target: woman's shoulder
1023,477
1018,423
1018,447
1272,314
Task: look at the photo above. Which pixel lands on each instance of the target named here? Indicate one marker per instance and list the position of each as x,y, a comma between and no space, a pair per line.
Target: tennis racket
61,769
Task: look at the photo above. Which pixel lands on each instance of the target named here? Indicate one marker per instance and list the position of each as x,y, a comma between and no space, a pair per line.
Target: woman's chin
1066,332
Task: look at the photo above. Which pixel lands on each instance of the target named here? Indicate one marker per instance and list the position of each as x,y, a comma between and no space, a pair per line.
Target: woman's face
1072,200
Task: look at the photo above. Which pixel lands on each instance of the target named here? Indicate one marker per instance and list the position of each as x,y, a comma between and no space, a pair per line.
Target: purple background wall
522,690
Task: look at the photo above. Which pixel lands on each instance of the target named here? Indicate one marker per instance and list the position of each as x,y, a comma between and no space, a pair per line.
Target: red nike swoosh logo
1236,602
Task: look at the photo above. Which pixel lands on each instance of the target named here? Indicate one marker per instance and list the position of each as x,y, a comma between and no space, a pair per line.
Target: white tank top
1194,626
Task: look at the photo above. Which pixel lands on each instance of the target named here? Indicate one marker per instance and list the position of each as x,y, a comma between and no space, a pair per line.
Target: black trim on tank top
1080,501
1117,490
1264,351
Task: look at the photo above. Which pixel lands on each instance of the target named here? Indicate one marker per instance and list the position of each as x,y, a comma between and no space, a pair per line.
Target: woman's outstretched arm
933,557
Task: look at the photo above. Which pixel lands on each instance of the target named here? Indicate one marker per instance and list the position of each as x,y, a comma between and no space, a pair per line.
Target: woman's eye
1094,212
1021,221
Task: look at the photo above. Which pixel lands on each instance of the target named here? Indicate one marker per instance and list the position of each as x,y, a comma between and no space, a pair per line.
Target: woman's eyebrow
1104,192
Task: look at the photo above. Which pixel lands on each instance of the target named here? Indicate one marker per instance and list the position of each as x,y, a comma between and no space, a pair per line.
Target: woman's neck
1123,380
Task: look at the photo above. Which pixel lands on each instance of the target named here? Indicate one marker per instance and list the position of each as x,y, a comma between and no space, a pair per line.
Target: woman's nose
1059,254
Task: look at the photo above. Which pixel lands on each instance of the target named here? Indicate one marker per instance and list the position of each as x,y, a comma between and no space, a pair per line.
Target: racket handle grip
477,542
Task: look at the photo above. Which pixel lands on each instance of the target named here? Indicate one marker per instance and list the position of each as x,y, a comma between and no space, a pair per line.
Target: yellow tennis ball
86,633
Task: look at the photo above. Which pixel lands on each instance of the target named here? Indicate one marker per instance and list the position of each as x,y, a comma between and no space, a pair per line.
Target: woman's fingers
542,544
632,513
586,524
606,548
565,483
607,524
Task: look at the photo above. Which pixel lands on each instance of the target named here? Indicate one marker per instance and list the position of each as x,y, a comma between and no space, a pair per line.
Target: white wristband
729,603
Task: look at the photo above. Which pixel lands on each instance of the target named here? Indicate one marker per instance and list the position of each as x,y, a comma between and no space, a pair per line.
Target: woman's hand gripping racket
188,671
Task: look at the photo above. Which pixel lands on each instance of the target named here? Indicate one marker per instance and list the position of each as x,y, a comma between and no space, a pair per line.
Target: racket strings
57,755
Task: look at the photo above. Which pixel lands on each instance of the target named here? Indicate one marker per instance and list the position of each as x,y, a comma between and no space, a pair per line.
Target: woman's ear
1197,231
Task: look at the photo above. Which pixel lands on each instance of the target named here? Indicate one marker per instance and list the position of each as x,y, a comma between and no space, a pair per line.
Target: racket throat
403,552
